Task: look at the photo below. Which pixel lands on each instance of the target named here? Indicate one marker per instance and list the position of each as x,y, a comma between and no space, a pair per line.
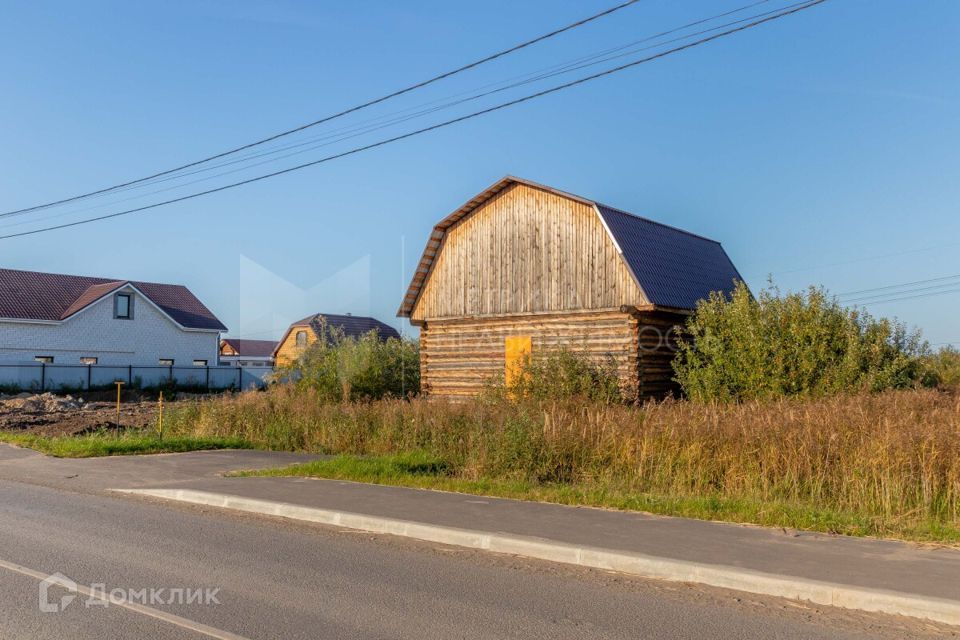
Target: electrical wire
359,131
434,127
898,286
345,112
379,122
911,297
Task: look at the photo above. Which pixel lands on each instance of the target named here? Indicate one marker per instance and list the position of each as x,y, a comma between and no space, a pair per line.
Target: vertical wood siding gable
526,251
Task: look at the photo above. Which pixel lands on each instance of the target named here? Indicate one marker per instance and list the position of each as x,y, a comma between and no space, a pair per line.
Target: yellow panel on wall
517,352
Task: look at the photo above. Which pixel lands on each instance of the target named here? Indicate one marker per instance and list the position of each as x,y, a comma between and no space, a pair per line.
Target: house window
199,363
166,362
301,338
88,360
123,306
44,359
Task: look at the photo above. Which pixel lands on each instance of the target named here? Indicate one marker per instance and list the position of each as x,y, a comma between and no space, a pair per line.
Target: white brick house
73,320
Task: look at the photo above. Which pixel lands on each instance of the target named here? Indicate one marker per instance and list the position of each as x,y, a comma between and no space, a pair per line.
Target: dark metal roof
674,268
352,326
32,295
251,348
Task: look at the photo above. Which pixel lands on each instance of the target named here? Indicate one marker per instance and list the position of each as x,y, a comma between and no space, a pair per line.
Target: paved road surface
283,580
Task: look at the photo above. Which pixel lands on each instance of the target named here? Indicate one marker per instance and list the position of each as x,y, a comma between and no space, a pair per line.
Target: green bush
562,373
348,368
942,367
797,344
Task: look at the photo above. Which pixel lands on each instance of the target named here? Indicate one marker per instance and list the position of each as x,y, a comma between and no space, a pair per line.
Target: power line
880,256
911,297
353,131
362,130
898,286
433,127
340,114
911,290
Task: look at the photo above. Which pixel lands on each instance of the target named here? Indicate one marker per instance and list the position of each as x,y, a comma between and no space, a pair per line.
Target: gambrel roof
54,297
352,327
673,268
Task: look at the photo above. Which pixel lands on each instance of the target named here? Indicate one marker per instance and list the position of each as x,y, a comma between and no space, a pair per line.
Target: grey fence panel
256,377
51,377
64,377
190,376
106,375
150,376
10,376
26,377
225,377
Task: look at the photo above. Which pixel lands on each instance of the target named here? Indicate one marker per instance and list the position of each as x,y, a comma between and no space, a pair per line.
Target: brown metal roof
674,268
92,294
251,348
351,326
33,295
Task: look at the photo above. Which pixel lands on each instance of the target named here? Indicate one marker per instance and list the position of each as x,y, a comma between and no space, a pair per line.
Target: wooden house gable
526,250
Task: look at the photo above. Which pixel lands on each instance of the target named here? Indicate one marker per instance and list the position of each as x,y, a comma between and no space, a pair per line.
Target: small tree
348,368
805,343
942,367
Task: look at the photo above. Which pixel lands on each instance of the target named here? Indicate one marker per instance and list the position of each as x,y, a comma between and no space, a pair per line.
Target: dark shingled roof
252,348
32,295
674,268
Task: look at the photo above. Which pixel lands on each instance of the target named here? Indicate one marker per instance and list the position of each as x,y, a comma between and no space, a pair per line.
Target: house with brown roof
247,353
523,269
67,319
321,327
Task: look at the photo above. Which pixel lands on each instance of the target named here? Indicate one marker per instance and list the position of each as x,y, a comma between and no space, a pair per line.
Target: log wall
657,336
459,357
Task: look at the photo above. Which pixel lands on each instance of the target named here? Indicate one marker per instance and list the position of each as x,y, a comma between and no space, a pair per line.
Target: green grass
423,471
117,444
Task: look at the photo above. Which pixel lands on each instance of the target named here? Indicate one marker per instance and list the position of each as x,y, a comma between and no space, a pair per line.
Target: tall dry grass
889,463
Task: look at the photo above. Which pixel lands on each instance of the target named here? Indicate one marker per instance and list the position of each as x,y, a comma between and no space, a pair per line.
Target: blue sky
823,148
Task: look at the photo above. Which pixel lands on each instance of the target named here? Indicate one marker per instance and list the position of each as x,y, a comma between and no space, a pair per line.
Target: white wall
94,332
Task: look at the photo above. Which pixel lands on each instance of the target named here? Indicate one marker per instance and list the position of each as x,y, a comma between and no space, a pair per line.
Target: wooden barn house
522,269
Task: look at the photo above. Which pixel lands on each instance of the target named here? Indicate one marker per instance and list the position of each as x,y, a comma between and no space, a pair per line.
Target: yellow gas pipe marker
119,384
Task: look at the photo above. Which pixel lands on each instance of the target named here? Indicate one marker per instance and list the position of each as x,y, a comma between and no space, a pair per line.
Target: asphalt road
274,579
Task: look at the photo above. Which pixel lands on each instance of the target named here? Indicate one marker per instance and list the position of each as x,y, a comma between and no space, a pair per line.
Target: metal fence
40,377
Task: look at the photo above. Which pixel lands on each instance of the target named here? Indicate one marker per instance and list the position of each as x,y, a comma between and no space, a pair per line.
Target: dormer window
123,306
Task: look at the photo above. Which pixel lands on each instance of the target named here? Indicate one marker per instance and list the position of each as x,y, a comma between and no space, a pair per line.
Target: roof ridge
103,279
657,222
597,203
545,187
345,315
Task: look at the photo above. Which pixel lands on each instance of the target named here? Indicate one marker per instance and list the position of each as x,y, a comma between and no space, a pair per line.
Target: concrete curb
728,577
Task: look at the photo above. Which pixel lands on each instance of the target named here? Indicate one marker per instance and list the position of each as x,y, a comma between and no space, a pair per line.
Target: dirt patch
48,414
